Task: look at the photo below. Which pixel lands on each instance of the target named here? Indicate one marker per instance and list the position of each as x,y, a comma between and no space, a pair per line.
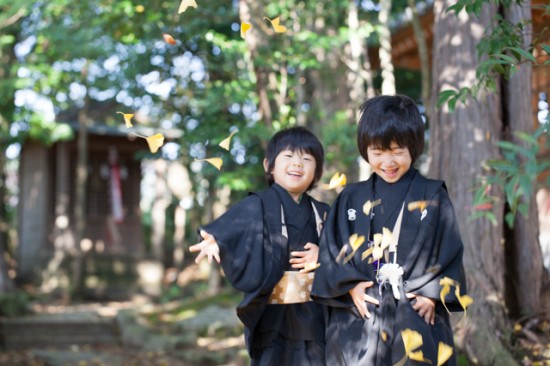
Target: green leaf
444,96
506,58
509,218
527,55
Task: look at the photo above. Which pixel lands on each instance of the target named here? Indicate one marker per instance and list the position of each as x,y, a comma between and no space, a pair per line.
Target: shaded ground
194,329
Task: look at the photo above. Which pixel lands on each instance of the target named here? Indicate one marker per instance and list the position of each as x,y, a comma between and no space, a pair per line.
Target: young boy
373,295
266,245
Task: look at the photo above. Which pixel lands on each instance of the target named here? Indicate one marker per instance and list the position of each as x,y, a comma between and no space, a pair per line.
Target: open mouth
295,174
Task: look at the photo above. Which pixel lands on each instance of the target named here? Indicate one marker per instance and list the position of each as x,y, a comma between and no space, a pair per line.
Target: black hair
388,118
295,139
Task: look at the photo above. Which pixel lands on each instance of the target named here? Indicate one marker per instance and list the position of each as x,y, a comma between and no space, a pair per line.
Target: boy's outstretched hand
207,247
307,259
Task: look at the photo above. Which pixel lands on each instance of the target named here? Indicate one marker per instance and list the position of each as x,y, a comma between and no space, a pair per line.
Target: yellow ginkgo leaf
377,238
411,340
517,327
355,241
337,180
420,205
369,205
127,118
366,253
276,26
418,356
464,300
217,162
341,254
227,141
384,335
445,284
377,252
444,352
185,4
387,237
155,142
245,27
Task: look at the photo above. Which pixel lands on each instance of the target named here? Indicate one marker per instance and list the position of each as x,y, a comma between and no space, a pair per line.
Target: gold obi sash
294,287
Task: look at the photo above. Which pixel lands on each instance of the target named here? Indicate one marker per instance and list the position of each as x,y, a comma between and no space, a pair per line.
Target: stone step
57,331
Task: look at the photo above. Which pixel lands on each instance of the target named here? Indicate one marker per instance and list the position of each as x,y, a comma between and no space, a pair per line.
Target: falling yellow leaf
387,237
368,206
337,180
445,284
517,327
168,38
140,8
464,300
155,142
217,162
377,252
185,4
418,356
444,352
341,254
227,141
127,118
384,335
366,253
276,26
420,205
411,340
245,27
355,241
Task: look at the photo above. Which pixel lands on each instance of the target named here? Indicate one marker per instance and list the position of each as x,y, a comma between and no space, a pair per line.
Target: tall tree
459,140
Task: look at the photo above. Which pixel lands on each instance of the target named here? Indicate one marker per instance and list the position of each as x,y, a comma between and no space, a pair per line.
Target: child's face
391,164
294,171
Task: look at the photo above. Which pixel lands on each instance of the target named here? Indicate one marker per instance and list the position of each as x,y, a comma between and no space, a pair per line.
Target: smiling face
294,171
391,164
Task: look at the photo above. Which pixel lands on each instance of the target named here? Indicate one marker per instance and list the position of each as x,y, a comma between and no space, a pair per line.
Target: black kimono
254,255
429,249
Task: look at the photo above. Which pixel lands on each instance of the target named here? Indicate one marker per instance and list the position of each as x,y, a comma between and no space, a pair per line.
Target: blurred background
95,226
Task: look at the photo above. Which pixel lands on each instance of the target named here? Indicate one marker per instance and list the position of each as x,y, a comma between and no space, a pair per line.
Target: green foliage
515,173
500,51
14,304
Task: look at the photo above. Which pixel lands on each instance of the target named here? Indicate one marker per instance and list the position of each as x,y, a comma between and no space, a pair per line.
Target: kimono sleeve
334,279
239,234
446,257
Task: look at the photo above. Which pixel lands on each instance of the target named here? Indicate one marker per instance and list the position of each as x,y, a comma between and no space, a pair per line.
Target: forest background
100,57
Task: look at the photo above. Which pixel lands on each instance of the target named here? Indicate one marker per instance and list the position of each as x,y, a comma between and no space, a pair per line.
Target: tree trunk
423,55
80,201
524,254
459,141
6,284
388,79
252,12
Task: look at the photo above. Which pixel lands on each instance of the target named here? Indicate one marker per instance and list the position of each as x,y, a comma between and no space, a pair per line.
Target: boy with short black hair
412,242
266,245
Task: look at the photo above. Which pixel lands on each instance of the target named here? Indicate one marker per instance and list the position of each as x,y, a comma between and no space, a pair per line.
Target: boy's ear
266,165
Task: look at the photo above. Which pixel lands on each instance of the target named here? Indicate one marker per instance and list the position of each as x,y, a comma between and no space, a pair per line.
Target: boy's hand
307,259
424,306
360,298
208,247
